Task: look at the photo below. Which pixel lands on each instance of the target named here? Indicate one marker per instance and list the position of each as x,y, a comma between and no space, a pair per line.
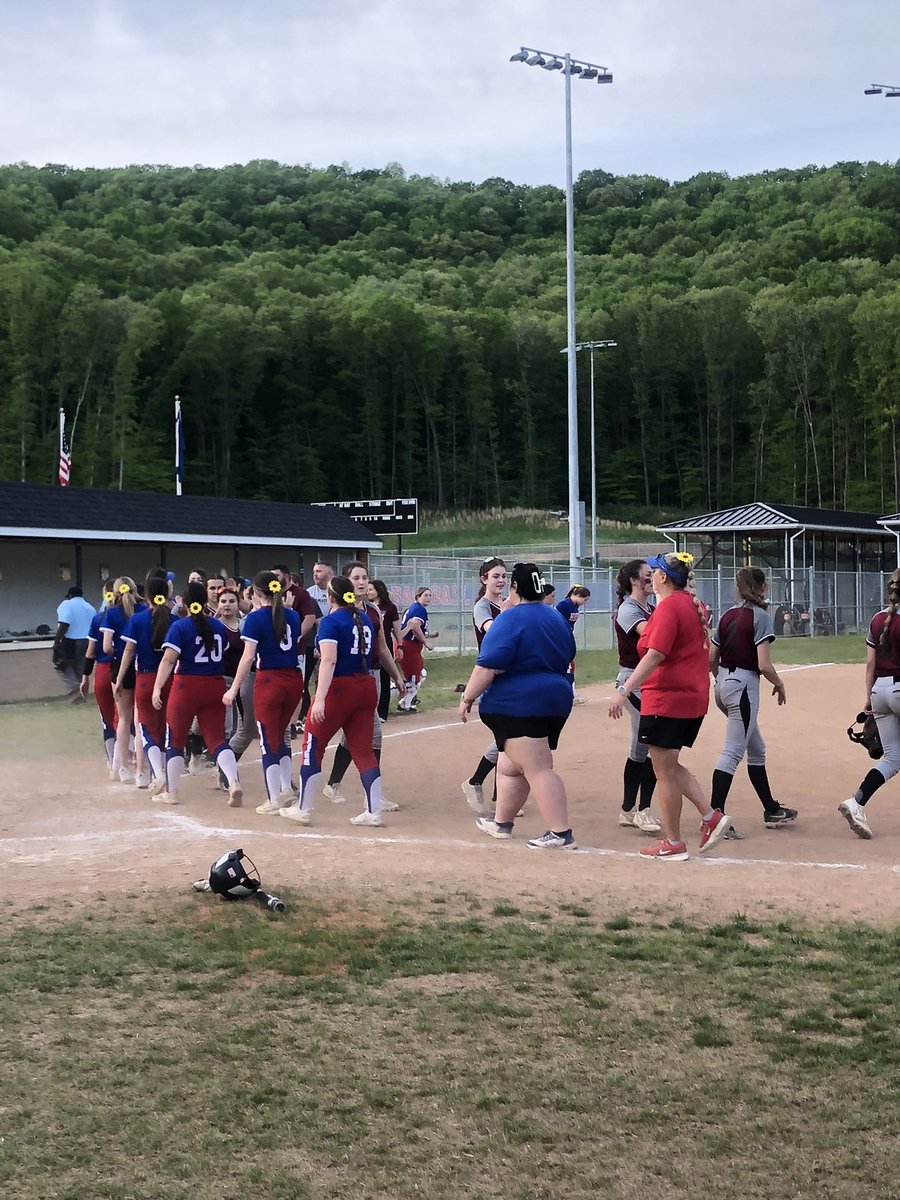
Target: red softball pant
103,694
151,720
349,705
412,661
276,695
197,696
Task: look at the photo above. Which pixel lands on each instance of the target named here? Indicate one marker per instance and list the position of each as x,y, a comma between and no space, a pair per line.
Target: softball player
346,698
125,604
739,654
576,597
143,638
103,694
634,589
414,636
196,644
883,700
359,579
271,636
488,606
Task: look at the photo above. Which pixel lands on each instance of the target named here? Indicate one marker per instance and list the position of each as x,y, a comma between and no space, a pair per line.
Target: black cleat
781,816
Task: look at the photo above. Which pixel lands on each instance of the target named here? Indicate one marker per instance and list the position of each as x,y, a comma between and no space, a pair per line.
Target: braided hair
263,584
893,597
752,586
681,577
195,594
338,587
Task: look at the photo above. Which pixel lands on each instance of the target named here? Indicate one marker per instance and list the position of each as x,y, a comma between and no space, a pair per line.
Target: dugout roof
43,511
760,517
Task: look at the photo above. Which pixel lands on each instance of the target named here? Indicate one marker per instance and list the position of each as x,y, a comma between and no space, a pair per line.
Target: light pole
584,70
592,346
890,90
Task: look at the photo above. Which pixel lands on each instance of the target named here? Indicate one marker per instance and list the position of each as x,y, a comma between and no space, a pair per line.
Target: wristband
88,666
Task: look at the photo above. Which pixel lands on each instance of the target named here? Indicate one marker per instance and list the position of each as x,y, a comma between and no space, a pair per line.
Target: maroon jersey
887,654
485,610
740,630
233,652
630,614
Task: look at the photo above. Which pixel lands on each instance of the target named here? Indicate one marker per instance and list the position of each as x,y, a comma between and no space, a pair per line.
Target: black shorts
504,727
129,679
669,733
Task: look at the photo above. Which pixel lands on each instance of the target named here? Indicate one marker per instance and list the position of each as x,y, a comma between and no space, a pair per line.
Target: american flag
65,459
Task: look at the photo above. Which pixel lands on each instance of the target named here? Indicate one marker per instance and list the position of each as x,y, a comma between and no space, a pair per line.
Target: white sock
285,766
273,780
227,763
174,771
156,760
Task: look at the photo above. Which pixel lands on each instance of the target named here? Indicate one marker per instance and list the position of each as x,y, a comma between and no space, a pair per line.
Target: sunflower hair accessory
195,609
349,597
159,600
274,587
684,557
109,597
124,589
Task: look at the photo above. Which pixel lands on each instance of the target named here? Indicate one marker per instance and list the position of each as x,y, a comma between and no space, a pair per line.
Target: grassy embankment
497,527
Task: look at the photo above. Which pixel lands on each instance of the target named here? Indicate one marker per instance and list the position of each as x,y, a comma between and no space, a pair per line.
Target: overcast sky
733,85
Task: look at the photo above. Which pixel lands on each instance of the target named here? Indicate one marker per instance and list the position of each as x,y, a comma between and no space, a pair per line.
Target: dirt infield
67,833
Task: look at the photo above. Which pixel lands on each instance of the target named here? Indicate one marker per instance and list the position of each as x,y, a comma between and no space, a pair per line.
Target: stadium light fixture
584,70
890,91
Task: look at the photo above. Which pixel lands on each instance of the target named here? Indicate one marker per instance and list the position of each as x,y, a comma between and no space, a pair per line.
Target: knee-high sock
226,762
869,786
342,761
648,783
285,765
721,783
631,783
174,770
760,780
481,772
156,760
371,781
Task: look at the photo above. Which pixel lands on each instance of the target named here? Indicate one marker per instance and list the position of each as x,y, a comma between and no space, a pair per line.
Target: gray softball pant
737,695
886,710
637,751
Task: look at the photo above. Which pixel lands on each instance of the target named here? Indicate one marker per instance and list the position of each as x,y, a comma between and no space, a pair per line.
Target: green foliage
336,334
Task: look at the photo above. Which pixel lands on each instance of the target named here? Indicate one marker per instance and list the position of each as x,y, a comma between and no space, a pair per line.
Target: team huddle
194,677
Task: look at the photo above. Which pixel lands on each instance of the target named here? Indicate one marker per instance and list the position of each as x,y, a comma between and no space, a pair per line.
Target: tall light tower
583,70
890,90
606,344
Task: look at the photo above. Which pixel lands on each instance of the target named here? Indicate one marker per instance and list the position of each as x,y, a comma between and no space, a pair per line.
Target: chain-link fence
807,603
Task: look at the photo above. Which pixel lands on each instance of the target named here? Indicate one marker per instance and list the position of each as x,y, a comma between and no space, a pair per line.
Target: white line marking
812,667
177,824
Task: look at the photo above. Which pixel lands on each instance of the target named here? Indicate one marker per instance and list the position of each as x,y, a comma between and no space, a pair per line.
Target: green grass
447,1047
497,527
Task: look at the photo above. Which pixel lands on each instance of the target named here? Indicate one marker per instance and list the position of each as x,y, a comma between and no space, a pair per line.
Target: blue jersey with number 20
193,657
340,627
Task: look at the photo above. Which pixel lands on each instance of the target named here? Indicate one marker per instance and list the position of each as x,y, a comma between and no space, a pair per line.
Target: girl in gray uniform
739,654
488,606
634,589
883,700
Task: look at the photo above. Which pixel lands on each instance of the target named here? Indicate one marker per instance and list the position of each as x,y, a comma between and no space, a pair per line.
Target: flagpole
179,442
62,436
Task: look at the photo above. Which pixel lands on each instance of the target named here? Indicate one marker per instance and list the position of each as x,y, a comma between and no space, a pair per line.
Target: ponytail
751,586
631,570
893,595
124,589
157,590
269,585
195,599
339,589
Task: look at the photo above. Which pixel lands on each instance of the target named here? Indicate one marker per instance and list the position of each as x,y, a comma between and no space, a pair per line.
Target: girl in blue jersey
103,693
125,604
196,643
346,698
143,638
415,636
271,635
570,608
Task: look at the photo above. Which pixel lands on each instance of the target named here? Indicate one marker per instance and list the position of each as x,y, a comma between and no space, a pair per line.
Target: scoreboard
381,516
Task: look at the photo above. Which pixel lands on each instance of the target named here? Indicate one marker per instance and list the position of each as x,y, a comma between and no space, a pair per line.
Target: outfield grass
519,527
444,1046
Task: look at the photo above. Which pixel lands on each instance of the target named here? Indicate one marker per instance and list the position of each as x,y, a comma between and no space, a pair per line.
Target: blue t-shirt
115,622
532,645
340,627
415,610
272,655
77,614
96,637
139,631
193,657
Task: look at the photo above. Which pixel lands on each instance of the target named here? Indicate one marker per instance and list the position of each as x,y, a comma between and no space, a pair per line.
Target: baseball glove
868,736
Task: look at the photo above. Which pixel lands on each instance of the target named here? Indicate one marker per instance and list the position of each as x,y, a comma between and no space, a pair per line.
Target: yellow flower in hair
124,589
274,587
109,597
195,609
159,600
684,557
349,597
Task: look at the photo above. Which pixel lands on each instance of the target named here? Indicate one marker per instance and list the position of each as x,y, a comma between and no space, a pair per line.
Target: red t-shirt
679,687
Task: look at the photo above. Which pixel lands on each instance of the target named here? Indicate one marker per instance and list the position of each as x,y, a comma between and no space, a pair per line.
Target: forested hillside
337,334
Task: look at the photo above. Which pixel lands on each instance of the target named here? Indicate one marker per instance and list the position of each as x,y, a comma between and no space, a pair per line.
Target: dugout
825,566
53,537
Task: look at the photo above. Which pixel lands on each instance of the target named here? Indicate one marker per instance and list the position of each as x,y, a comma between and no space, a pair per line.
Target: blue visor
658,563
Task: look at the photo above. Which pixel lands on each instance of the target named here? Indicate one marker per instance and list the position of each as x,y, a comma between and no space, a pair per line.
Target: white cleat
367,818
271,808
389,806
142,780
126,775
157,785
474,794
303,816
855,816
235,794
645,821
332,792
286,797
165,798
